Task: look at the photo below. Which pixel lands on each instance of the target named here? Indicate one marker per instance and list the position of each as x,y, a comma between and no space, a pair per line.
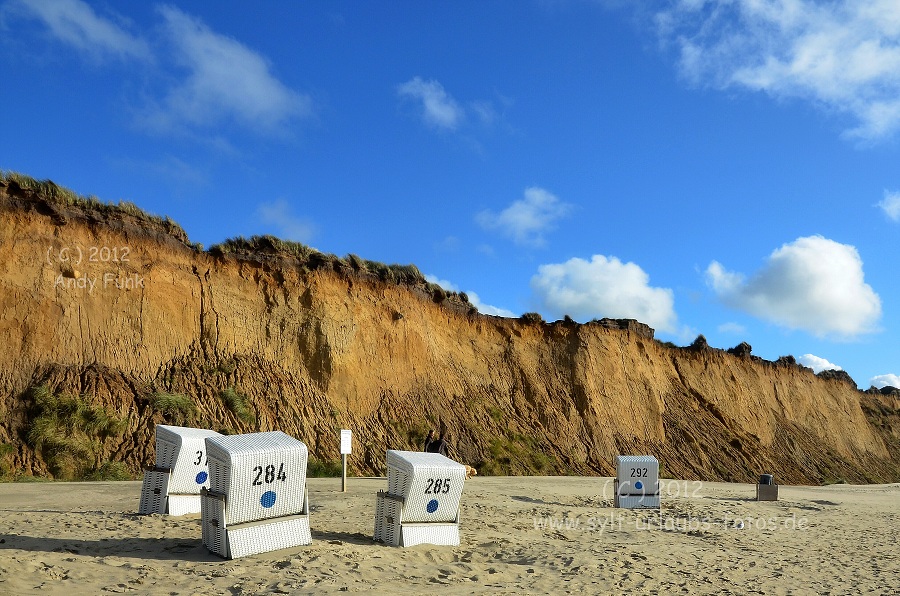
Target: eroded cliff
120,308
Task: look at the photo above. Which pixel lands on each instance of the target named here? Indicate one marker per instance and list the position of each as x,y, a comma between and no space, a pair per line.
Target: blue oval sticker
268,499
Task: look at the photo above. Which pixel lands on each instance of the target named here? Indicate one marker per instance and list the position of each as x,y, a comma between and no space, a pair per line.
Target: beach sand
544,535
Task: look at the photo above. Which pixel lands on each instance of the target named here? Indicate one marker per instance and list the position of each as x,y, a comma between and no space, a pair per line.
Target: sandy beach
535,535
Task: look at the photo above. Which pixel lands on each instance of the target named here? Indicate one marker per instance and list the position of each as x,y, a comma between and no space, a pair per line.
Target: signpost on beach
346,442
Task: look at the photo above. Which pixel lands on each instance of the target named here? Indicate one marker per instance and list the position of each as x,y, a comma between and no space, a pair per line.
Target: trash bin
767,479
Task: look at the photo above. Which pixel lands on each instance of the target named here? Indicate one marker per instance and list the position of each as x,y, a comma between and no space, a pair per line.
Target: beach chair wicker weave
154,491
257,500
173,485
637,482
421,505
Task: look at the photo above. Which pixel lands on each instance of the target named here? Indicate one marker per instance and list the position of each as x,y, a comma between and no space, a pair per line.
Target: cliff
119,308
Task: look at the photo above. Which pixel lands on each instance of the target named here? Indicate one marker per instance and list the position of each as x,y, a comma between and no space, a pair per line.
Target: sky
728,168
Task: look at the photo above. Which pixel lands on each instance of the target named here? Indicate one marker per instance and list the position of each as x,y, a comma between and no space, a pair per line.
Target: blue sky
726,167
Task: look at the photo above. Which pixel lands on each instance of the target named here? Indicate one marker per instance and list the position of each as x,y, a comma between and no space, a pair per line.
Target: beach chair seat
257,499
421,505
637,482
173,485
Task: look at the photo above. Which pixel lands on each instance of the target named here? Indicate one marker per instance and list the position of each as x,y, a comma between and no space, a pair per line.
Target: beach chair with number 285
421,505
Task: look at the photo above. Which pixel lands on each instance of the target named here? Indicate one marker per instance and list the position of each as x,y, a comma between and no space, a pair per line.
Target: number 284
268,475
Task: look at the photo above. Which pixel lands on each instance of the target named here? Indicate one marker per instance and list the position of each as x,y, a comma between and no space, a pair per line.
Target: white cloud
226,81
816,363
881,381
474,300
843,55
74,22
603,287
891,205
527,220
813,283
447,285
487,308
439,109
733,328
485,111
290,227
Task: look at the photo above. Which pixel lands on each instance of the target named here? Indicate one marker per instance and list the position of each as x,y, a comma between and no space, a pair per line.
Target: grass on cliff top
52,192
312,259
307,256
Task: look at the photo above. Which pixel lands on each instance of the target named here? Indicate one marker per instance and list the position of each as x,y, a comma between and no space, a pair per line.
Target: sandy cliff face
115,308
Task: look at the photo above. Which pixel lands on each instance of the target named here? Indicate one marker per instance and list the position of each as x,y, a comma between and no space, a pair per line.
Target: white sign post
346,443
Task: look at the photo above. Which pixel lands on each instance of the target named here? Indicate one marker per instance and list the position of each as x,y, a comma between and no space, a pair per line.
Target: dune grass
316,468
308,258
68,432
176,405
237,403
6,451
61,195
312,260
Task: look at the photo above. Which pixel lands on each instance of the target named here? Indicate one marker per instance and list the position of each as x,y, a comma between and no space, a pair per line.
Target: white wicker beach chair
173,485
257,500
421,505
637,482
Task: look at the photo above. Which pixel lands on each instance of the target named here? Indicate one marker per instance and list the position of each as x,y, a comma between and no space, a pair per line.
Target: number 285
437,486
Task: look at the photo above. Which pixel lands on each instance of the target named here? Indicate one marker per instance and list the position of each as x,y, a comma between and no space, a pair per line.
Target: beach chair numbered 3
173,485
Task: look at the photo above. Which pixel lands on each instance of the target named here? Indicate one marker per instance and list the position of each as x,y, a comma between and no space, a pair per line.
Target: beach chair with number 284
257,499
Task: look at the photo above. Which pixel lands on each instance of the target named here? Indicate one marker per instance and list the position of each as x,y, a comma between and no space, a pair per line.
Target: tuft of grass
173,404
6,450
532,317
27,479
311,259
356,262
406,274
110,471
517,454
316,468
69,432
263,244
227,367
237,403
52,192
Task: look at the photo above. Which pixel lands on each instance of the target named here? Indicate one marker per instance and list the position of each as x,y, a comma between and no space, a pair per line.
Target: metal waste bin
766,489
